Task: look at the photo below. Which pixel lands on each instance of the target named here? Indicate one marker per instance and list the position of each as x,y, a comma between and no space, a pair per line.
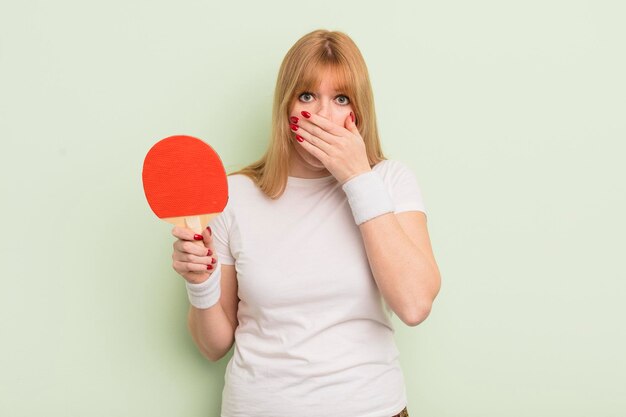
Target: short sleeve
220,229
403,186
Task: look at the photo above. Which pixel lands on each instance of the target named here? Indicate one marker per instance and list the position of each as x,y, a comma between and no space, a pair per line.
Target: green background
512,115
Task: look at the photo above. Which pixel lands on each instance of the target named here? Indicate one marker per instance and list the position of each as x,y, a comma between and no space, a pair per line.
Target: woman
322,239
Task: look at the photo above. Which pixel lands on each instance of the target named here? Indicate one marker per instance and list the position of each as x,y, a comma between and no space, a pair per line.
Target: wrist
207,293
368,196
354,175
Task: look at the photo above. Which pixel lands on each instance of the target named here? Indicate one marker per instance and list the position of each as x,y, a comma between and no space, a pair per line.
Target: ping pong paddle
185,182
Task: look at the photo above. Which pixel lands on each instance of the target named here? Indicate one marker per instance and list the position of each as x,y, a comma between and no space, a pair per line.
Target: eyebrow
336,92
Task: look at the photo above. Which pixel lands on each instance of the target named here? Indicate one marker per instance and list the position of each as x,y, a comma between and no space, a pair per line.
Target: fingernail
293,119
209,229
293,127
197,237
305,114
209,253
213,260
299,138
352,116
209,267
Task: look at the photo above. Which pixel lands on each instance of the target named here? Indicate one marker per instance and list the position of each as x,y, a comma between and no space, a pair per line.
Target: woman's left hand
340,148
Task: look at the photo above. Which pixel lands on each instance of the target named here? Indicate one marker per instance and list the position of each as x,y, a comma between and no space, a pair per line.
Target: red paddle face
184,177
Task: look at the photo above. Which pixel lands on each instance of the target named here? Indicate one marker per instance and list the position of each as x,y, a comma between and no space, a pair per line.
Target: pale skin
397,245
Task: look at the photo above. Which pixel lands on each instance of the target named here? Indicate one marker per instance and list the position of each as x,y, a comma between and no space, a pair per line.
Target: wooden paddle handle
193,223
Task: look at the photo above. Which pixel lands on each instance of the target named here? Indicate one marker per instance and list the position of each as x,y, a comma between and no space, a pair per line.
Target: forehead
330,80
332,77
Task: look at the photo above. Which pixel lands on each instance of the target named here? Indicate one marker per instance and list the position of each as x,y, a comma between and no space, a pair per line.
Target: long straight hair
301,71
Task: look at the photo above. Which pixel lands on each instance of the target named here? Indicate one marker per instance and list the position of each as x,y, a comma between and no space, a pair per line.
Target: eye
306,97
343,100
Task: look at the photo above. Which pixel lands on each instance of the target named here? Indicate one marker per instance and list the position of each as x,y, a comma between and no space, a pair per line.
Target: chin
317,164
310,160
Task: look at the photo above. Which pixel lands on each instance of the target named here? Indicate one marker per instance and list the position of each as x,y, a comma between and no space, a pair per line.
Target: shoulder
239,180
391,170
240,185
402,185
243,191
239,191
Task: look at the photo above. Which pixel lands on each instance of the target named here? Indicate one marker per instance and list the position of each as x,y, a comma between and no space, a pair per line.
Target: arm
397,246
400,255
213,329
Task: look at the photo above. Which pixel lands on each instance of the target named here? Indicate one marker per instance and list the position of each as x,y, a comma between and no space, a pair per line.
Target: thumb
350,123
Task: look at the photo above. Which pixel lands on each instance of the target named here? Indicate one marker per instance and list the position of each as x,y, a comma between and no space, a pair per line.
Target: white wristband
368,197
207,293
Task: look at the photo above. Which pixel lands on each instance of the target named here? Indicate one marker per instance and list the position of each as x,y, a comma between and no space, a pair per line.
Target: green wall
512,115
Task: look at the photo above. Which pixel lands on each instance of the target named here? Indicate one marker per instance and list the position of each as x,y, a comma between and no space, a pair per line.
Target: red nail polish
306,114
209,253
352,116
197,237
293,127
209,229
213,260
209,267
300,139
293,119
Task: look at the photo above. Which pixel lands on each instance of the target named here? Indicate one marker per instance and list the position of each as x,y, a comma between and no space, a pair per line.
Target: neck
300,169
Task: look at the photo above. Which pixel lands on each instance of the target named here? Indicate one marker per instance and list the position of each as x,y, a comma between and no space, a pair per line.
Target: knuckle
316,131
187,247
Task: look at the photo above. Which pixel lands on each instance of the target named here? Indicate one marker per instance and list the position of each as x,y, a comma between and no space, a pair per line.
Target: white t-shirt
315,337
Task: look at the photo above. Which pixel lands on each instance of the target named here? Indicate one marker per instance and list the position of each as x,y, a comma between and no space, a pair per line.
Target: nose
324,109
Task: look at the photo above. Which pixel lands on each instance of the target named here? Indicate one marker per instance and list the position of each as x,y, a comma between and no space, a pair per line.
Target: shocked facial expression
326,101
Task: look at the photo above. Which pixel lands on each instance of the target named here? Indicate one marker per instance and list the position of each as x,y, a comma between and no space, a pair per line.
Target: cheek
295,108
341,114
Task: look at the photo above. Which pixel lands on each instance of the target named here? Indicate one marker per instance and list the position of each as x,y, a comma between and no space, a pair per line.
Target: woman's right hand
193,261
